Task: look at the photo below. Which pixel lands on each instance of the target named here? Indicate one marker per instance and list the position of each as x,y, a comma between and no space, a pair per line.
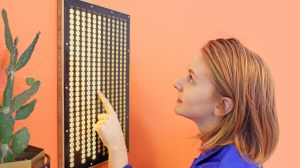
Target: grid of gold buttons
98,61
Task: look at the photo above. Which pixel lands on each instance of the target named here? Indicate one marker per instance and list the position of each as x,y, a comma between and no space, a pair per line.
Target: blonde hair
241,75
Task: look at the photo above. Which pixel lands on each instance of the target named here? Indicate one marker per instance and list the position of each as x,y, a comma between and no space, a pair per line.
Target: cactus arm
27,53
9,43
23,97
8,37
25,111
20,140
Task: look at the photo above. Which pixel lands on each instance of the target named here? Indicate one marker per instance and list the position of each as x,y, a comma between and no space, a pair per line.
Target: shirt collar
209,153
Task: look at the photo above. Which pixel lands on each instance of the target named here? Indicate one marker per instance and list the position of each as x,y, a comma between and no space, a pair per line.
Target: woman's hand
108,126
109,130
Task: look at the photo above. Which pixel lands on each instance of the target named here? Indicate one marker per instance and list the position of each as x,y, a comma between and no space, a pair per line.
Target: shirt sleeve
127,166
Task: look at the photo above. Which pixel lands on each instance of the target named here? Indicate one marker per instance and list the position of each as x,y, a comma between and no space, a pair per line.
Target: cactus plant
12,144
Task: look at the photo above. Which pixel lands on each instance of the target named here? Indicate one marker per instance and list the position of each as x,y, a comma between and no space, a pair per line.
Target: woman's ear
224,107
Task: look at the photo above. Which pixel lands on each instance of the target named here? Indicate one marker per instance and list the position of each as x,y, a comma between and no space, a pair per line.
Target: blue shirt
226,156
223,157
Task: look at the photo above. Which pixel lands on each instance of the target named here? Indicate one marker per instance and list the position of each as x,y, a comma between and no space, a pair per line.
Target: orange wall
165,35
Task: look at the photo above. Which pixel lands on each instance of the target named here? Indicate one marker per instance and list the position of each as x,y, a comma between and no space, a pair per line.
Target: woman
229,94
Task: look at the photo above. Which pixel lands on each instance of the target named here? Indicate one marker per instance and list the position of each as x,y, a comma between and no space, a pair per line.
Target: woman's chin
179,111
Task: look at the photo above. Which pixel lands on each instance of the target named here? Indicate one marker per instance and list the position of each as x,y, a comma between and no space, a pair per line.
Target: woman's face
195,93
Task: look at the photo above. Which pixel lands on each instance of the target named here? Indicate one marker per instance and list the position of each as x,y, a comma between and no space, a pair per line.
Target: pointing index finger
105,102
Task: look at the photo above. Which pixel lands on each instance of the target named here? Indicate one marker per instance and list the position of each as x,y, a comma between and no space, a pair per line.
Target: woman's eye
190,78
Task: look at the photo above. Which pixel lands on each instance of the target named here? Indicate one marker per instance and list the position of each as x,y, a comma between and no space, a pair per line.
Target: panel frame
62,51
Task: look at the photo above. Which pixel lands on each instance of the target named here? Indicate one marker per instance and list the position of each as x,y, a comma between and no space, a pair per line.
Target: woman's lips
179,101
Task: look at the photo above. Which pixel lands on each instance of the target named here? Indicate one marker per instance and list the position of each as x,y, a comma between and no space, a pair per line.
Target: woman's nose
178,85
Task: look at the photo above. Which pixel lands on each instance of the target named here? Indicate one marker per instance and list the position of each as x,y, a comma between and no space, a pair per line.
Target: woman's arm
109,129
